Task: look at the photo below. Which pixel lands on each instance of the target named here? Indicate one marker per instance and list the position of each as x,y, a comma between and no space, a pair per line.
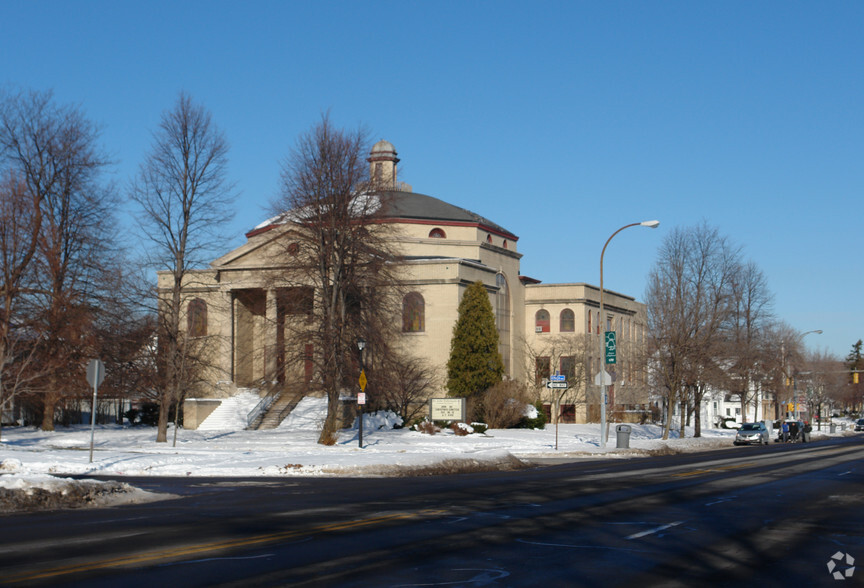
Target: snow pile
308,415
379,421
232,414
26,490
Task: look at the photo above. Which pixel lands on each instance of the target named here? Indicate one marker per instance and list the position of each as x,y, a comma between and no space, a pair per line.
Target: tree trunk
49,405
162,425
667,421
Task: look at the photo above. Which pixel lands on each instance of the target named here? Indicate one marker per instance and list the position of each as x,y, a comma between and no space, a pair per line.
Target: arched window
413,313
196,318
437,234
568,321
505,243
488,238
541,321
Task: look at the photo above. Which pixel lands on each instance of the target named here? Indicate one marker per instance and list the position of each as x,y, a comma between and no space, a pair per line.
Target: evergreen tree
475,362
853,360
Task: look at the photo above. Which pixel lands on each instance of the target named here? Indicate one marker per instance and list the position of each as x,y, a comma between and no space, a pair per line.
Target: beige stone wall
628,320
239,291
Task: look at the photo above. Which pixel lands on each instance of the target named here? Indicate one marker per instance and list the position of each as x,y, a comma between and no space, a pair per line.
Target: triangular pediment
260,250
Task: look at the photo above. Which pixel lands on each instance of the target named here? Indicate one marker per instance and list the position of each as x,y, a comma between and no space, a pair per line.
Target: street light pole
794,380
361,344
602,320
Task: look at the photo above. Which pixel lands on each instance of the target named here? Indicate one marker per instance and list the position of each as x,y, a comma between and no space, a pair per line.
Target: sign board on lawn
447,409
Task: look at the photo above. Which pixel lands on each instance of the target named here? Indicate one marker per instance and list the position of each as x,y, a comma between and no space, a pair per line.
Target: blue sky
561,121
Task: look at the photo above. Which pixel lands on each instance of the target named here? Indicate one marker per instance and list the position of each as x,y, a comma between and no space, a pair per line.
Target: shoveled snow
231,413
31,458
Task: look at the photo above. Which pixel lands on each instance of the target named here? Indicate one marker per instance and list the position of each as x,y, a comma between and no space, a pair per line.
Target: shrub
147,415
427,427
538,421
461,429
479,427
504,404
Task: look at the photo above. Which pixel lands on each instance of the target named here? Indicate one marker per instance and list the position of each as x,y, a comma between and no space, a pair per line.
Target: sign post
361,400
95,376
557,381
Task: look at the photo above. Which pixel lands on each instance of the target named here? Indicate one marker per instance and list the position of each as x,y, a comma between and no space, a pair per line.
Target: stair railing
261,408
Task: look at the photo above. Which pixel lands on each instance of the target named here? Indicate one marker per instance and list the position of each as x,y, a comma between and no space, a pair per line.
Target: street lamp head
361,343
652,223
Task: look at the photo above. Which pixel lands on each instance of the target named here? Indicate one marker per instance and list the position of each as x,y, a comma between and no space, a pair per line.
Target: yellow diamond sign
362,380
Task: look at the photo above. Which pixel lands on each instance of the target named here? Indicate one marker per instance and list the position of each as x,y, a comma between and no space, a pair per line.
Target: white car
750,433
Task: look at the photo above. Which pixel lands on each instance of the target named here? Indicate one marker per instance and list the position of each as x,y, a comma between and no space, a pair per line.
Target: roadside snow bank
21,490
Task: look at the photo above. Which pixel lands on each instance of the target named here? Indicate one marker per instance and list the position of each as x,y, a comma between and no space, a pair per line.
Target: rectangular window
568,367
541,370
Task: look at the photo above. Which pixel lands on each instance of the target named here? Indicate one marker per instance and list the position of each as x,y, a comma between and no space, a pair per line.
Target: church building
543,329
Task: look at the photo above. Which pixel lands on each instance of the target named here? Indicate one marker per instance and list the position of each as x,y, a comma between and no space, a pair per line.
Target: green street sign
610,346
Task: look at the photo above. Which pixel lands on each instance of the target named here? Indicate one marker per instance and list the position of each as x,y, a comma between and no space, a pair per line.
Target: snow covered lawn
28,455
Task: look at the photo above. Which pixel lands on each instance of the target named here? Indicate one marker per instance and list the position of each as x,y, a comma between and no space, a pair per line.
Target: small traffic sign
558,378
603,378
361,398
556,384
362,380
95,372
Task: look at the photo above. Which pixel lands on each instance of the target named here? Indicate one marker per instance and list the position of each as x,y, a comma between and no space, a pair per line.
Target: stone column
269,333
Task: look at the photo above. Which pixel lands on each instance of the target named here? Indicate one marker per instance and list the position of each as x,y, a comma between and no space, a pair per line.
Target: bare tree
750,313
336,259
569,355
688,303
51,152
402,384
20,220
184,199
823,383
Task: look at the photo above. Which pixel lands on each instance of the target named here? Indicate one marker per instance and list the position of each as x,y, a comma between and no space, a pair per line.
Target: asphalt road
766,516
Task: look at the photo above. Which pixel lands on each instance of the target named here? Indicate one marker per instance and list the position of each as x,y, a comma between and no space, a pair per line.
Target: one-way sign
556,384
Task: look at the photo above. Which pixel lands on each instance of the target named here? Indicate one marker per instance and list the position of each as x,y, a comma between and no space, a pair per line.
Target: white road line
652,531
719,501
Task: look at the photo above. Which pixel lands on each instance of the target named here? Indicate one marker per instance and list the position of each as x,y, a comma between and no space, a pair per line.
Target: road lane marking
721,500
577,546
174,553
655,530
712,470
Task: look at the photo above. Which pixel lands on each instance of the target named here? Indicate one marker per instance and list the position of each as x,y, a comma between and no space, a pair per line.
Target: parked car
750,433
859,425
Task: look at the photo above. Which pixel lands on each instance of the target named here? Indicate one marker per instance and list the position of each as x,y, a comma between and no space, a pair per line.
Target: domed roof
383,146
420,207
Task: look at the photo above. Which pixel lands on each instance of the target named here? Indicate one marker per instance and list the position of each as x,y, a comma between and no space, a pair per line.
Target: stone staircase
278,410
231,413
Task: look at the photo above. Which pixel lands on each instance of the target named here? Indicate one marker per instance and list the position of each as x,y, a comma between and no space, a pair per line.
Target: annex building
543,328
